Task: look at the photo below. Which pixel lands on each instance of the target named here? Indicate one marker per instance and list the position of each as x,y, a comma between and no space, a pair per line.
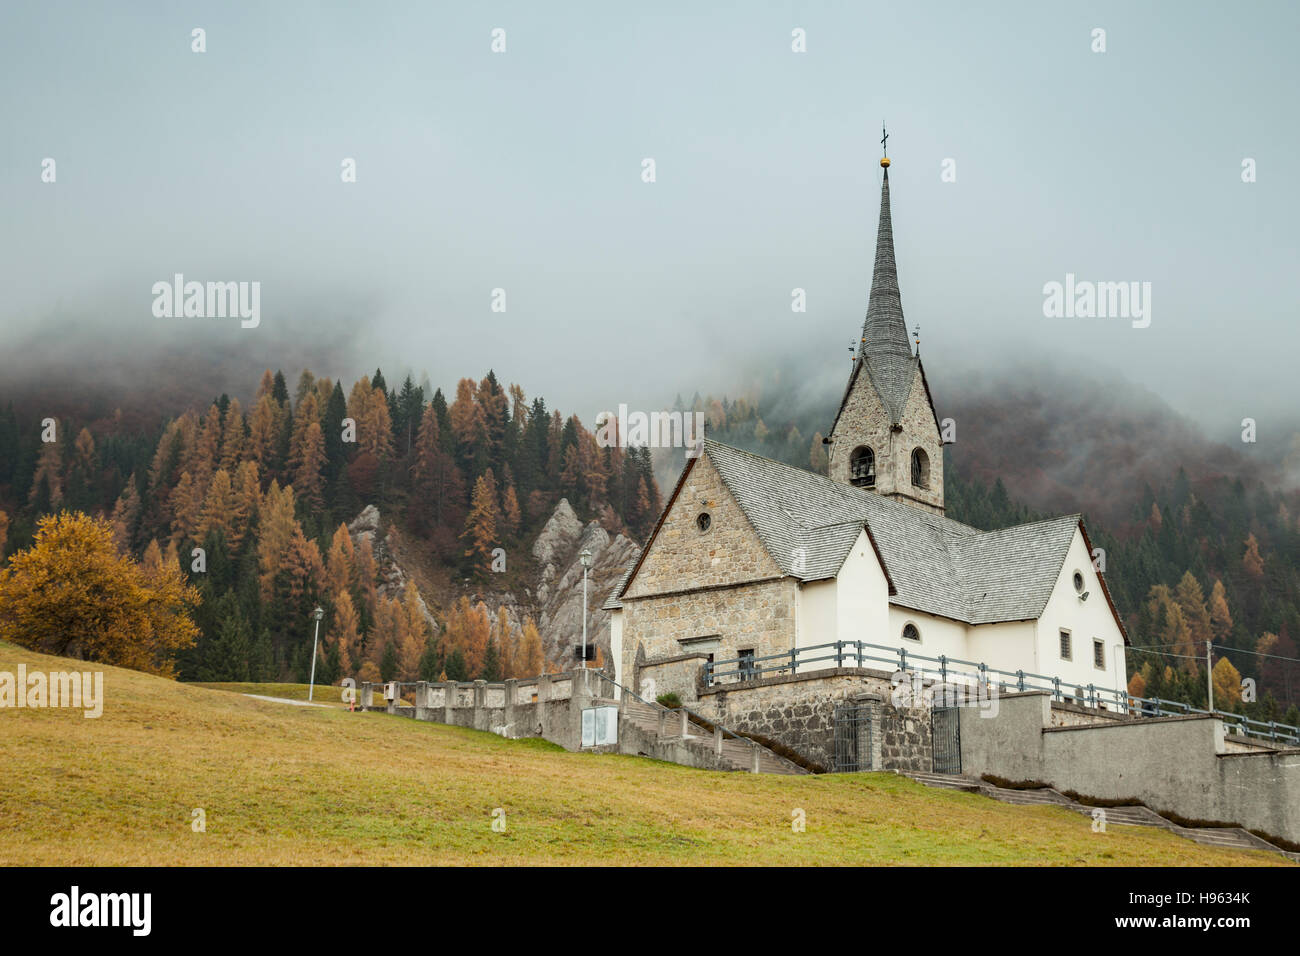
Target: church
753,559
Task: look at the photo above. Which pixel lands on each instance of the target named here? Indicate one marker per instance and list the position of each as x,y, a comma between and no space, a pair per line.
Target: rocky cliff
553,594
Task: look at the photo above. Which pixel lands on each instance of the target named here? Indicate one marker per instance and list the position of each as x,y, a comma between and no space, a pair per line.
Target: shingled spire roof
885,351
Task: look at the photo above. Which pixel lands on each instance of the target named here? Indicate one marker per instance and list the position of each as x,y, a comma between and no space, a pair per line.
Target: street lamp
585,558
317,614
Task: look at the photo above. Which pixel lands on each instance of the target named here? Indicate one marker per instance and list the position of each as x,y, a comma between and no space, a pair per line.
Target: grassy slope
297,785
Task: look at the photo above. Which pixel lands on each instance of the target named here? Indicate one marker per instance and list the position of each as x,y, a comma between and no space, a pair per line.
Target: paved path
286,700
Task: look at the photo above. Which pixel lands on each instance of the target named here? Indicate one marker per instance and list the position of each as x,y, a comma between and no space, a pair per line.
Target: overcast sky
522,170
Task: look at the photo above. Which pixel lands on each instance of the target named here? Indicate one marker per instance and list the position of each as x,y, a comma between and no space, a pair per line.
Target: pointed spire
885,332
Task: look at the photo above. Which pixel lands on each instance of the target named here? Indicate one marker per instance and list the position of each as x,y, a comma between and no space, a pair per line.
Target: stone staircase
1135,816
732,754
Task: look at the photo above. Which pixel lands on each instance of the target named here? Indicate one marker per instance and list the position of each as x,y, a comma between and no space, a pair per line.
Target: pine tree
456,668
275,532
1220,617
126,515
346,631
478,631
248,502
187,506
510,518
309,478
232,437
47,484
388,663
218,512
480,533
1252,561
530,650
505,641
340,561
207,452
261,443
430,667
491,670
1191,601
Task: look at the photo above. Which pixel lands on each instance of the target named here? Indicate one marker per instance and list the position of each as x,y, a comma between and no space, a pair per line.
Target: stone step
1140,815
945,781
1233,837
1042,797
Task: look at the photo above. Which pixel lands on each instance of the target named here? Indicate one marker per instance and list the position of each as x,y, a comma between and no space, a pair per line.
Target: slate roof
885,350
809,523
612,603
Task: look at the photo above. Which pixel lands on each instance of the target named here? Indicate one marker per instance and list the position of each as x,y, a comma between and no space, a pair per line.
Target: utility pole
317,614
585,558
1209,678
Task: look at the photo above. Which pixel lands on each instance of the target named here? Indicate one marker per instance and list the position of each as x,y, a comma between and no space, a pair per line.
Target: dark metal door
945,737
852,729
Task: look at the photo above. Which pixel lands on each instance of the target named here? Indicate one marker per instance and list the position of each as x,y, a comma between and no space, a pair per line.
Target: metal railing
754,746
860,654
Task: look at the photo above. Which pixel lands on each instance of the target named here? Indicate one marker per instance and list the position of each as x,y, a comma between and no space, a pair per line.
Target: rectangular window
1099,655
748,670
1066,651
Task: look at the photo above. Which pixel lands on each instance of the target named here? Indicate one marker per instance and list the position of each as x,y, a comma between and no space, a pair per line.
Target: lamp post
585,557
317,614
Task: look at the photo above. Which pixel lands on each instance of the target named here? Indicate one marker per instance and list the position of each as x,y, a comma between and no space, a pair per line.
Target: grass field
296,785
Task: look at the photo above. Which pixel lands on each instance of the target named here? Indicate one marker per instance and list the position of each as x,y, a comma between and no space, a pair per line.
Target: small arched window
920,468
910,633
862,467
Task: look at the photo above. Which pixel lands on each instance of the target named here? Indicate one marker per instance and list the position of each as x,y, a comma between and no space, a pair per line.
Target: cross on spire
884,141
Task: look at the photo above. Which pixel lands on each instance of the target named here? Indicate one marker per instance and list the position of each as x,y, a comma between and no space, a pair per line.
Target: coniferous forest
241,513
265,492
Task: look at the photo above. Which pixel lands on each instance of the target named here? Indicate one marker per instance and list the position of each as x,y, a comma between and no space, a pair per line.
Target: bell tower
886,436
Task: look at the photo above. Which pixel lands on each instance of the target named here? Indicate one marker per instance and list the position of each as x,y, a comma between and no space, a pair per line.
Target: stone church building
753,558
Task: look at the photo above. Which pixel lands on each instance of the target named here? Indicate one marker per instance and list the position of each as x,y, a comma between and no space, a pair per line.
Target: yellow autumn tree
530,660
73,593
1251,560
1227,685
232,437
339,561
346,631
480,534
414,633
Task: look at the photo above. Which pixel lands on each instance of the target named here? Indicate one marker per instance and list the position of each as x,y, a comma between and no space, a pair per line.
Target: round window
703,522
1078,581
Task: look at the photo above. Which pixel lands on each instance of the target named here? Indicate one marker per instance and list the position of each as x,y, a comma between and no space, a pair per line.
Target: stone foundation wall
799,712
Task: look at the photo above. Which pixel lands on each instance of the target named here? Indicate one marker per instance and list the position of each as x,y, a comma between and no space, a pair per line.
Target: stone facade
799,712
865,421
716,582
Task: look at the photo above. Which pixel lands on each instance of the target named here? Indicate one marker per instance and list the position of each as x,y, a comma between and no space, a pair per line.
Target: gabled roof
809,523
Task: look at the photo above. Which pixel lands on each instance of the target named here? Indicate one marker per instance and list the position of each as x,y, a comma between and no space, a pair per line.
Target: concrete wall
547,706
1179,765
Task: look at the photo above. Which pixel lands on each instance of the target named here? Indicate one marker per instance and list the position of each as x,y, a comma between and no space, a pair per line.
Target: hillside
282,784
